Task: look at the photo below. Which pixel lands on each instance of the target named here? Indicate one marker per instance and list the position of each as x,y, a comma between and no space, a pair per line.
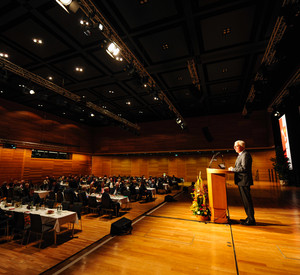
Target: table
56,218
42,193
118,198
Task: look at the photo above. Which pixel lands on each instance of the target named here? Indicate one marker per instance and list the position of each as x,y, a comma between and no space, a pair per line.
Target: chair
160,188
38,228
60,196
65,205
93,205
77,207
50,203
19,225
83,199
4,225
107,207
51,195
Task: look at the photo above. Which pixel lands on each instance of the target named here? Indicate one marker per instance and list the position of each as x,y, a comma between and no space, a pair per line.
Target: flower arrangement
200,206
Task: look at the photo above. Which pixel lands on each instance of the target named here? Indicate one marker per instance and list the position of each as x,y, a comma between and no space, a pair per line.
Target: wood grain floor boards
169,240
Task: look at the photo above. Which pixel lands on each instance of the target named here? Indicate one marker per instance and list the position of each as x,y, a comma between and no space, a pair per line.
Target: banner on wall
285,140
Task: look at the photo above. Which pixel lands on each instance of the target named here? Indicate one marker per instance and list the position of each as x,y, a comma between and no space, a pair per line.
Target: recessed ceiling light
79,69
111,92
143,2
104,107
226,31
4,55
84,22
128,102
165,46
141,112
1,92
92,115
50,77
155,98
37,41
224,70
119,114
31,91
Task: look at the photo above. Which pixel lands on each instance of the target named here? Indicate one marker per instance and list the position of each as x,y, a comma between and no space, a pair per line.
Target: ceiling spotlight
141,112
111,92
37,41
4,55
178,120
31,91
113,50
79,69
50,77
155,98
277,114
92,115
73,5
101,27
128,102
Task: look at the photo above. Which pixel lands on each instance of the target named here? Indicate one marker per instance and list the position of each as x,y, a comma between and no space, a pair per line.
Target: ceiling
226,40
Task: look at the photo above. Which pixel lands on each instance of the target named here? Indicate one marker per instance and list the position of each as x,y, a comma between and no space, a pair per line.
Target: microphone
213,158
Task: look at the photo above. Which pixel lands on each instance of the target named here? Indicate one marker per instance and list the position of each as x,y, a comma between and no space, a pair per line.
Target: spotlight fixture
155,98
141,112
72,5
50,77
277,114
128,103
178,120
79,69
113,50
92,115
31,91
100,27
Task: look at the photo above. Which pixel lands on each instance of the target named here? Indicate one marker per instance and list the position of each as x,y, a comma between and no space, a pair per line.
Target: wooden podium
216,183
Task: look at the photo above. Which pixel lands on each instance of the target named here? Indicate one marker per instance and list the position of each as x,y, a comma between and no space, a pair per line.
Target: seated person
144,192
108,203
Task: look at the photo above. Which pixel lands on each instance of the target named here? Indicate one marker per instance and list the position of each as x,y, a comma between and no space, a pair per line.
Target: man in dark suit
243,178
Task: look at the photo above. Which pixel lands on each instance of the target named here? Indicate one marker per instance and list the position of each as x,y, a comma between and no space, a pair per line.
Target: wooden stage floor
168,240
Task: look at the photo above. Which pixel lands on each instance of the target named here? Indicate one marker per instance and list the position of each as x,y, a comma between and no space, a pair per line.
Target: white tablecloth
42,194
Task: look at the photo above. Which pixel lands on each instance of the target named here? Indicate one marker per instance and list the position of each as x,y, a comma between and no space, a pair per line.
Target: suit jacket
243,170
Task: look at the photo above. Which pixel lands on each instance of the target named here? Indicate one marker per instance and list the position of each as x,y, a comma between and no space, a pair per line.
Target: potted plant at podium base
200,207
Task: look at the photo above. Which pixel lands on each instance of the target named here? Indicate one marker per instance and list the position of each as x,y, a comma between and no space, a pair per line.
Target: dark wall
209,132
23,124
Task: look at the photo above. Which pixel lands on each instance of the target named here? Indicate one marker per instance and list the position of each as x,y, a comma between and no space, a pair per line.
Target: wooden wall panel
11,164
187,167
18,164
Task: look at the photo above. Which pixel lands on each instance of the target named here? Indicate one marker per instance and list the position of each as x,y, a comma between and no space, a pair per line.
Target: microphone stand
213,158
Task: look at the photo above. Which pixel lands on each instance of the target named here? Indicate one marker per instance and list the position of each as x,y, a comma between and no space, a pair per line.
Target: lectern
216,184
